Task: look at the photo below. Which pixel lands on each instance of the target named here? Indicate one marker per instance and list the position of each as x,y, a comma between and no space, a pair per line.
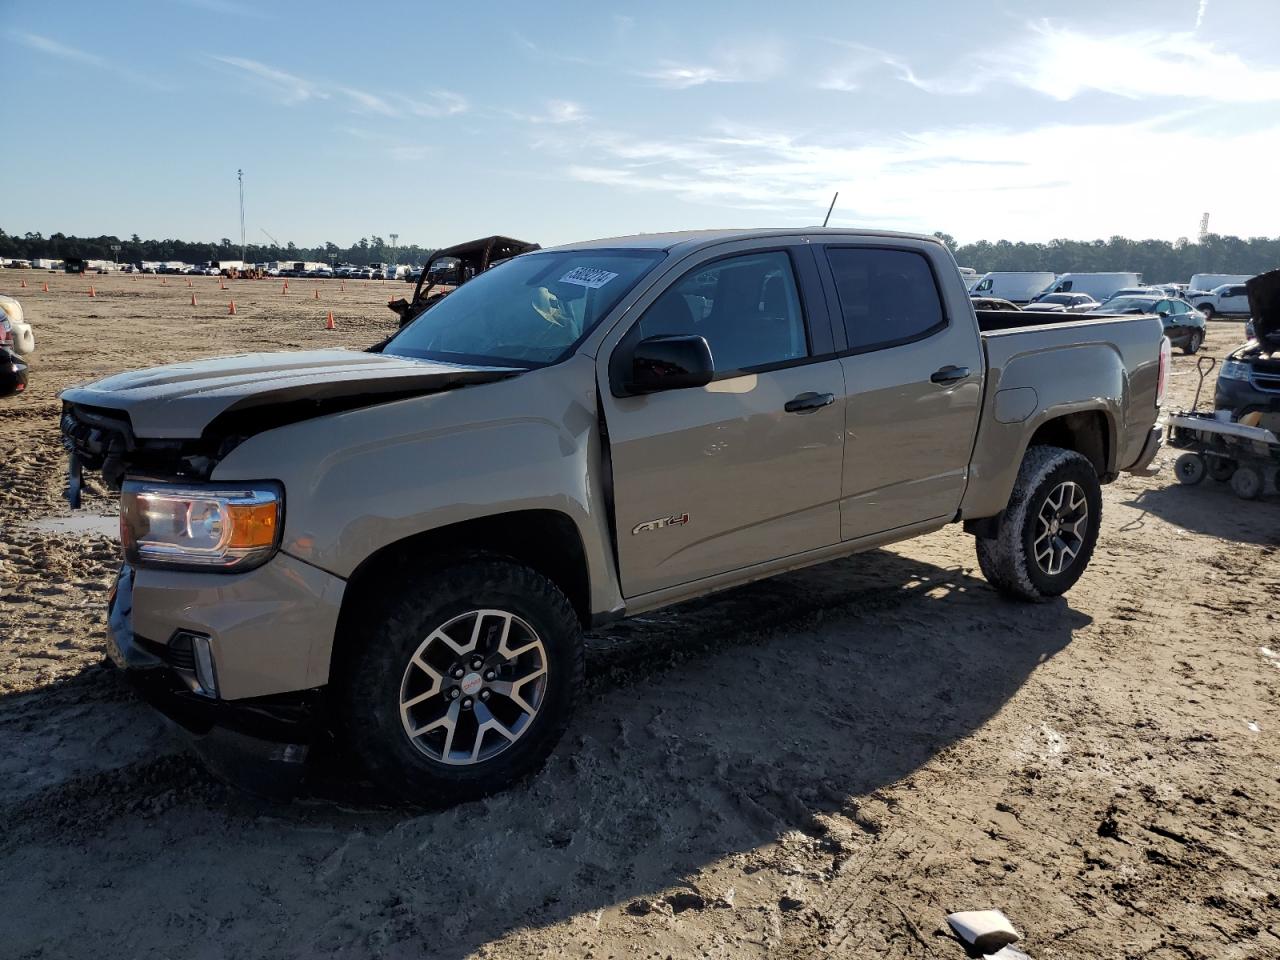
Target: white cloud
745,63
286,87
290,89
1064,63
1201,10
66,52
970,181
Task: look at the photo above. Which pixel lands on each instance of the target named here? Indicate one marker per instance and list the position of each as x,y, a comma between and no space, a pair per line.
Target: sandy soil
826,763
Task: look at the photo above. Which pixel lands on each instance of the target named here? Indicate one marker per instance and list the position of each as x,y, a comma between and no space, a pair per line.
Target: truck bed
991,321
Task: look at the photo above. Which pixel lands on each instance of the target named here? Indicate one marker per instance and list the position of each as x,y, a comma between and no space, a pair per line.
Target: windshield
1058,298
1130,305
527,312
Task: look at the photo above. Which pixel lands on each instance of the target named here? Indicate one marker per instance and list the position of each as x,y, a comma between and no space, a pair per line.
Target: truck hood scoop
1264,306
181,400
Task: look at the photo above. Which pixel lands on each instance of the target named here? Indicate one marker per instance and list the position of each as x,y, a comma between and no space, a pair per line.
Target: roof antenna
830,208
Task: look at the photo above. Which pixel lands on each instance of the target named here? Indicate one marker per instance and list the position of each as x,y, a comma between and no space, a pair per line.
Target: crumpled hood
1264,306
180,399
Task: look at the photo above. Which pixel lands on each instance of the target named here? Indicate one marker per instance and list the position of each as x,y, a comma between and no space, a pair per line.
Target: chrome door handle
809,402
950,374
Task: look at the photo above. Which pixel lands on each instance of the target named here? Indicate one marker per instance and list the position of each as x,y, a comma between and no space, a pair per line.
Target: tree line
1159,261
134,249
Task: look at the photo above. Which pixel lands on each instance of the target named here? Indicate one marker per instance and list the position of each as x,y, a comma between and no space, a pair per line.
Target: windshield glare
527,312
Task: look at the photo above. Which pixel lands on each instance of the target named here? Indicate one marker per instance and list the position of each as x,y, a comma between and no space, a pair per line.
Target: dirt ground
822,764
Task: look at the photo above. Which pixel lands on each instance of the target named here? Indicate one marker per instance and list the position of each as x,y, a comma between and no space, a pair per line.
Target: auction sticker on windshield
591,277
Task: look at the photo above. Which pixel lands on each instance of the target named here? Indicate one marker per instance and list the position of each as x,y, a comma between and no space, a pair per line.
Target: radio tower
1204,226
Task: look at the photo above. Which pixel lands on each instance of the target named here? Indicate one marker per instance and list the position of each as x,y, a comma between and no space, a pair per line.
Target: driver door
744,470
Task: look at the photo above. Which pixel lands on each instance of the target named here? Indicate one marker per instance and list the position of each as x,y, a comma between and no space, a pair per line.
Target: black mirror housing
673,362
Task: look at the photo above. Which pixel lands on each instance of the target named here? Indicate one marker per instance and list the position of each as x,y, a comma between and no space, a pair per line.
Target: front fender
358,481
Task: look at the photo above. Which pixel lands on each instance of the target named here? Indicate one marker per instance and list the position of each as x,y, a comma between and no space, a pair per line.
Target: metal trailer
1247,457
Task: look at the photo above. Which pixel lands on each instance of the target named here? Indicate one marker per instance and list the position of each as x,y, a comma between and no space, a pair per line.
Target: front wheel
1189,469
1047,533
1207,310
462,683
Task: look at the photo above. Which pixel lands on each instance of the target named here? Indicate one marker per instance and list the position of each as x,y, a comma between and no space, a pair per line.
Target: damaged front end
1248,387
102,440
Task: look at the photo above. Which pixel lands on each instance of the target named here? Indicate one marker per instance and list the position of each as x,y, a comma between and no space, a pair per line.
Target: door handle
808,402
950,374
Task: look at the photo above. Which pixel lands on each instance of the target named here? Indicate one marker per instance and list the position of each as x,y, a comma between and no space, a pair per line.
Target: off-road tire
1190,468
398,621
1007,560
1247,482
1220,468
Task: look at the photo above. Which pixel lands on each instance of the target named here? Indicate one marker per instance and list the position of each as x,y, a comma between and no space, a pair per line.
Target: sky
557,122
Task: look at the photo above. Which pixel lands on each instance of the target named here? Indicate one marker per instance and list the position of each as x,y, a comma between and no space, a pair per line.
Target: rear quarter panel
1037,374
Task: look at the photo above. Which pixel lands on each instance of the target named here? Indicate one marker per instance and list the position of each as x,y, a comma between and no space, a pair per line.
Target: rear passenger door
913,376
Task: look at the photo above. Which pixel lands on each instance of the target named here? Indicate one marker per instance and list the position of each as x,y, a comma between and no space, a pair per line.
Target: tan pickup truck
403,546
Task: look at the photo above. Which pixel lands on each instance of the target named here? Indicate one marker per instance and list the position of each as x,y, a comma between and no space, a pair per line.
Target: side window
1065,285
747,308
887,297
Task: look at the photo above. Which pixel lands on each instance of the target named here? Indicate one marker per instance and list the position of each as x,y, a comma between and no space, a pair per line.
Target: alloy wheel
1060,529
473,687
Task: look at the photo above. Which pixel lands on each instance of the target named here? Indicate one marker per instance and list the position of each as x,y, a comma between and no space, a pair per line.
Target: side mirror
670,363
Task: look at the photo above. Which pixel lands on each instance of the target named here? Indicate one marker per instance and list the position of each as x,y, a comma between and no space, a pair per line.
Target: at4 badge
678,520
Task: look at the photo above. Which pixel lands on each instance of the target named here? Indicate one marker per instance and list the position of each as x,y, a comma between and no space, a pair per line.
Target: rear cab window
887,297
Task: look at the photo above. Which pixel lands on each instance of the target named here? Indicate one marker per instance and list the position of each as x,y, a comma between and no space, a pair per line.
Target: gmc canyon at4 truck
402,547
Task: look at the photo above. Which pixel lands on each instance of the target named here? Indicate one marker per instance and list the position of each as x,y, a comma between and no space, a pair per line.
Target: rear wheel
1194,342
462,683
1221,468
1189,469
1246,483
1047,533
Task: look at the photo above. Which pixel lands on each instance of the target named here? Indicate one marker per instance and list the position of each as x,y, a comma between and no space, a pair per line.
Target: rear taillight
1162,380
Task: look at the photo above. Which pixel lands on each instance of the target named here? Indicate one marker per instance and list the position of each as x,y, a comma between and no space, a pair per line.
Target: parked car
22,337
1249,378
992,303
1100,286
1020,286
1183,324
406,545
1063,303
13,373
1208,281
1228,300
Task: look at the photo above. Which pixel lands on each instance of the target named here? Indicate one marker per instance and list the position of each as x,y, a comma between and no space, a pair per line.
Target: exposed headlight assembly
216,527
1233,370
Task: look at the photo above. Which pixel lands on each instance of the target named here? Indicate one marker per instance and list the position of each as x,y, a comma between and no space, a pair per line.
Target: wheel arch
547,541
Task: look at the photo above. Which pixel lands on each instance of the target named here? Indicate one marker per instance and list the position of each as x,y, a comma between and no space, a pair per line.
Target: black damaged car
1249,380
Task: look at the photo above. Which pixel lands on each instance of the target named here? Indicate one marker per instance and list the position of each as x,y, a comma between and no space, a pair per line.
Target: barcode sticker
590,277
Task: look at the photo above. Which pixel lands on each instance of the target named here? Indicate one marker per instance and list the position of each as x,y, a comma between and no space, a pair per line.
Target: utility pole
240,177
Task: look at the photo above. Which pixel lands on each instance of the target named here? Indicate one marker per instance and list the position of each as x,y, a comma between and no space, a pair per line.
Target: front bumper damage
259,742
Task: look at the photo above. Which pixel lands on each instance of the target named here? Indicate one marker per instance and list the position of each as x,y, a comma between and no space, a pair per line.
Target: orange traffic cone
193,299
231,312
343,286
317,293
188,283
285,288
222,284
24,284
328,324
91,291
45,287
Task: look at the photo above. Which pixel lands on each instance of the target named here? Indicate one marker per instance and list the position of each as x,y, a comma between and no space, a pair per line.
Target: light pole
115,251
240,178
394,238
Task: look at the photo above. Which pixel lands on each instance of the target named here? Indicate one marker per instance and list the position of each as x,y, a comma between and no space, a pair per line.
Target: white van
1020,286
1208,281
1100,286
